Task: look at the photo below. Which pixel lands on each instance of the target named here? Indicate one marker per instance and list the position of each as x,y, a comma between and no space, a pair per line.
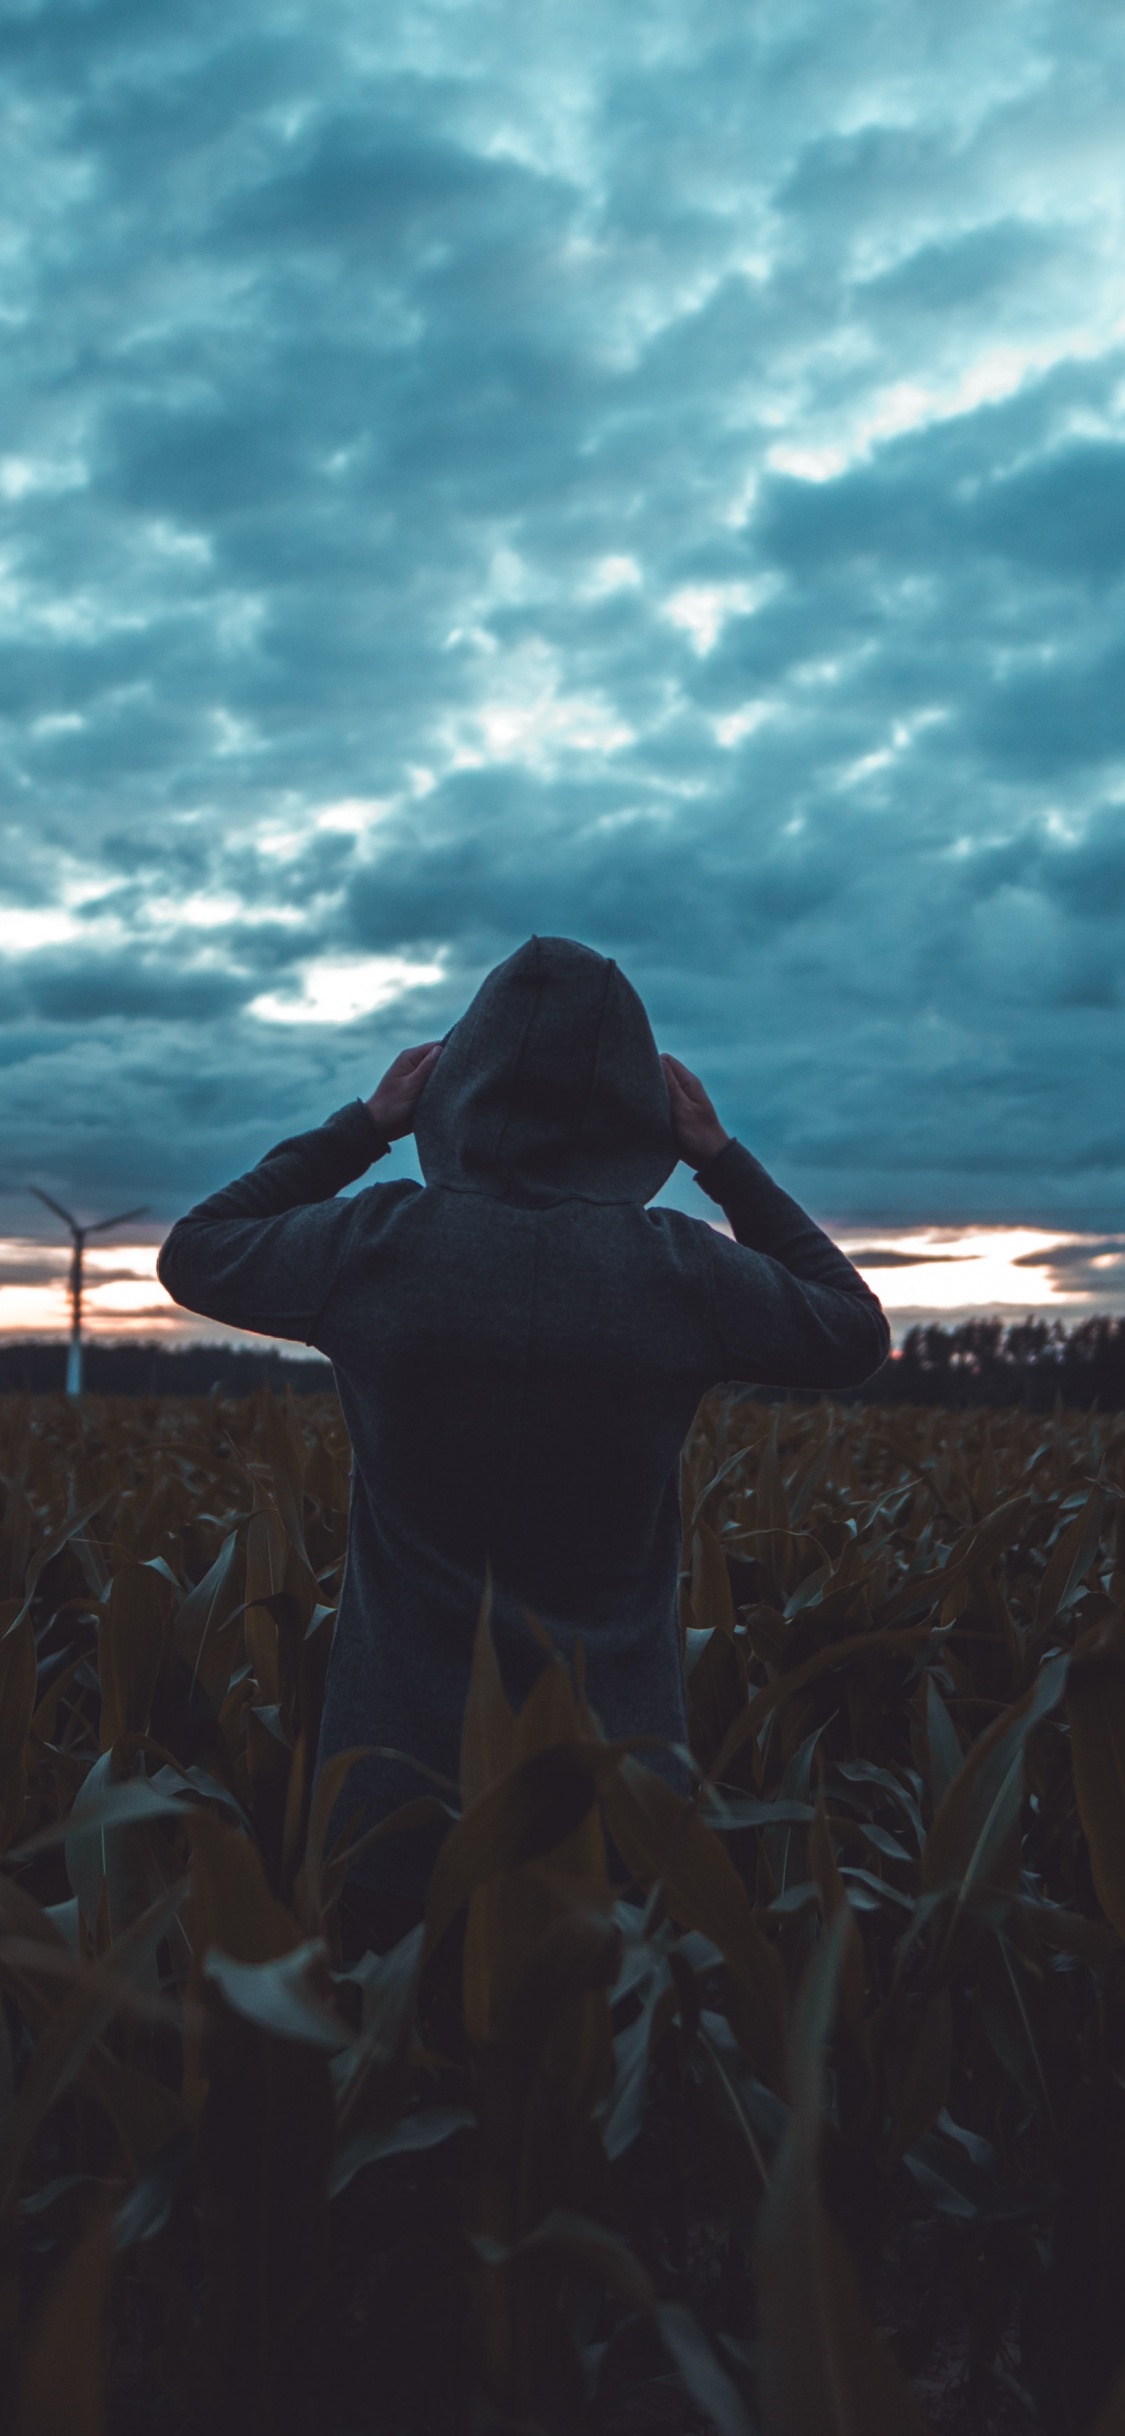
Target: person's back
520,1347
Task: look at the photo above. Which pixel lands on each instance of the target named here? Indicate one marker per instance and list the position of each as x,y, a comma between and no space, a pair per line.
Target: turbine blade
122,1215
56,1206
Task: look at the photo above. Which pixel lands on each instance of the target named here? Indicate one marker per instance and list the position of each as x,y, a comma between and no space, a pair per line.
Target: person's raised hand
696,1129
393,1102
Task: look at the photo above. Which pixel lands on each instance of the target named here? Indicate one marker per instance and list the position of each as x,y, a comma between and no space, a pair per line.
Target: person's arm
790,1309
265,1252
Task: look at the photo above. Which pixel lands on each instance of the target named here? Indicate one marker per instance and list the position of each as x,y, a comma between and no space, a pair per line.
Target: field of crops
796,2109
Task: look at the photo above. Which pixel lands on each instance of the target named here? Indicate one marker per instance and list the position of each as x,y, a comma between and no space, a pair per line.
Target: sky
651,475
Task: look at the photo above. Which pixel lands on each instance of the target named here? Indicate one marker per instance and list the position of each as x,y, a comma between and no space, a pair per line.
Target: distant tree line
1031,1362
38,1367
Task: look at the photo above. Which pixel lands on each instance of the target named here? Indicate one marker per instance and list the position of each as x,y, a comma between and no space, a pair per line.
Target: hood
550,1087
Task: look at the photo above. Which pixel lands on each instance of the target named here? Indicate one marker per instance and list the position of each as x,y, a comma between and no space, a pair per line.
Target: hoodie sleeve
791,1310
265,1253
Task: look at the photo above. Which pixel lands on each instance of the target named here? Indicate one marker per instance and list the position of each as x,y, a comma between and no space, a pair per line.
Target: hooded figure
519,1346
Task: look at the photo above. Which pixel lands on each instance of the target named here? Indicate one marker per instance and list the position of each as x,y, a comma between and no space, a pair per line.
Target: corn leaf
823,2370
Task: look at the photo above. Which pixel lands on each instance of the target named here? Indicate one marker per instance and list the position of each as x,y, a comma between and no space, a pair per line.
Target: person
519,1345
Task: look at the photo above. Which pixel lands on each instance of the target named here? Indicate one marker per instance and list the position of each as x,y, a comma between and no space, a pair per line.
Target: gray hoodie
519,1347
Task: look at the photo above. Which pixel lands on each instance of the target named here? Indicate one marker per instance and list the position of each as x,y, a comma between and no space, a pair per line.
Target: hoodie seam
537,1209
498,1150
595,1069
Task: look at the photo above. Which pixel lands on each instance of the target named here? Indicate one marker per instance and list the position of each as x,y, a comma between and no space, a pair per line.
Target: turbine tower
78,1233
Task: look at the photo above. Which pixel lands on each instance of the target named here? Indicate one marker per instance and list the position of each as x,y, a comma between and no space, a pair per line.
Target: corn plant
736,2111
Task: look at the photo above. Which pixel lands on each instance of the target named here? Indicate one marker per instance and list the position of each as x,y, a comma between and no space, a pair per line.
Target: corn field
795,2109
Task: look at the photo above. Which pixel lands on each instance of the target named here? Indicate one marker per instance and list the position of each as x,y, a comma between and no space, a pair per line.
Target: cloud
469,473
879,1256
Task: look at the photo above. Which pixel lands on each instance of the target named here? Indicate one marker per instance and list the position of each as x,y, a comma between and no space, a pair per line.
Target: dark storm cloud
1075,1257
69,992
877,1256
468,472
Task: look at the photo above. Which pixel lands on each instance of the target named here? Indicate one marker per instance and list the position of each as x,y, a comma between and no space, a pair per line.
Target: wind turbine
78,1236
